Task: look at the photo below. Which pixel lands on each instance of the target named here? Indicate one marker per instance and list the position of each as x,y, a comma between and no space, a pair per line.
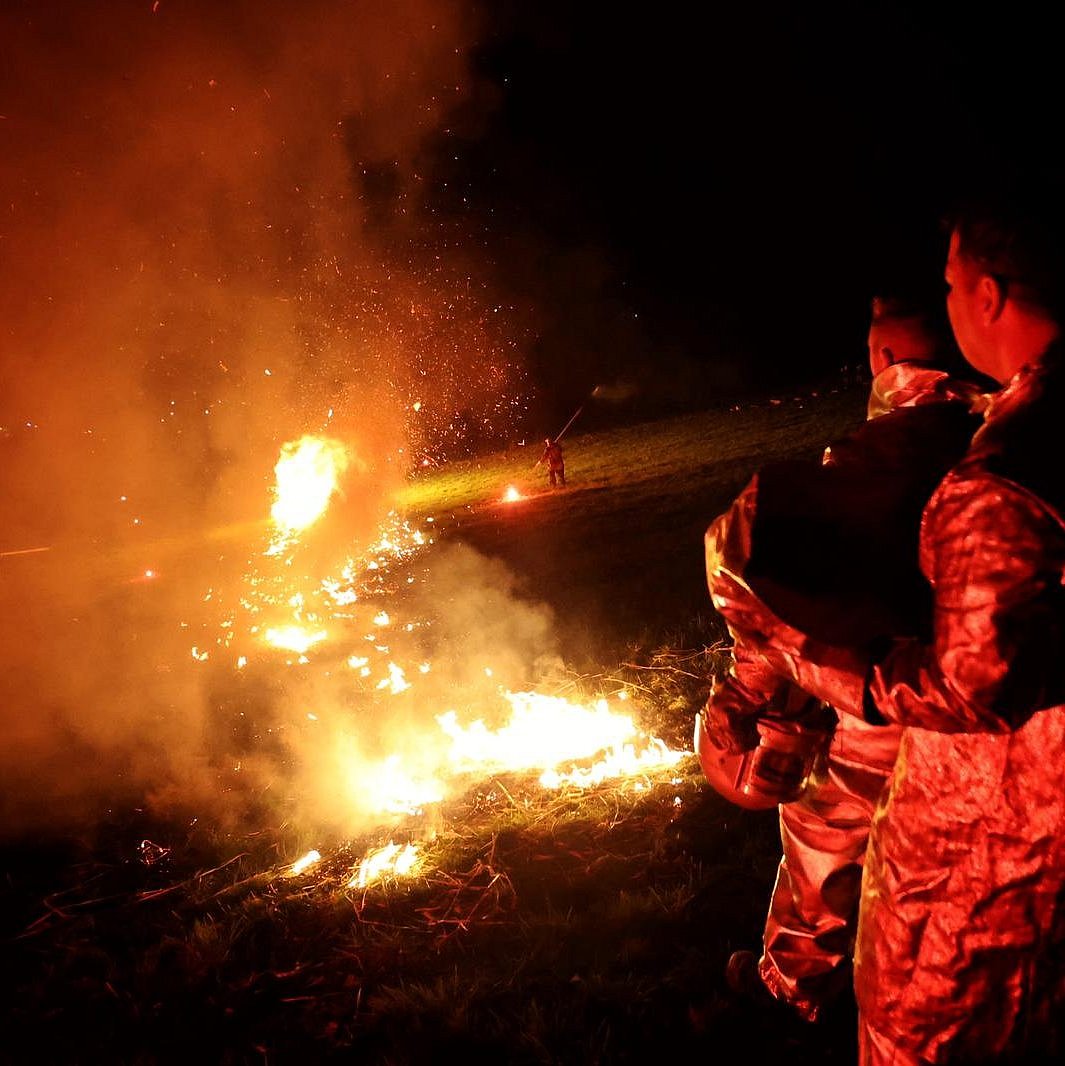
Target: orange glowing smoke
308,473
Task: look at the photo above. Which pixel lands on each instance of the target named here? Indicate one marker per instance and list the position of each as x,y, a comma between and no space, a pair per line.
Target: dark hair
1016,235
925,305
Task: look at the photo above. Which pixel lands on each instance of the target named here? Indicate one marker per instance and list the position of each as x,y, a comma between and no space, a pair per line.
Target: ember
512,495
294,638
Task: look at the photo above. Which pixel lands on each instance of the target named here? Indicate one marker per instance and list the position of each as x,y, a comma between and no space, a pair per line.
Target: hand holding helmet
760,755
730,716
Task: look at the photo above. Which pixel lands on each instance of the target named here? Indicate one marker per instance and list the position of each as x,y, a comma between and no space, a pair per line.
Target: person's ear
880,357
991,297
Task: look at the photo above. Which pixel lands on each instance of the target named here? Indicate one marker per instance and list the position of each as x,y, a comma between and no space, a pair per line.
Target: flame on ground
392,860
542,732
512,495
305,863
565,744
547,732
386,787
546,735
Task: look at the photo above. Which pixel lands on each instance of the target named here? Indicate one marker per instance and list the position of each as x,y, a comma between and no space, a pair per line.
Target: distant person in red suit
556,465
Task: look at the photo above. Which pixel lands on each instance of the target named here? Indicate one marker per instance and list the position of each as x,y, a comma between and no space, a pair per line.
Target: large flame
542,732
308,473
547,735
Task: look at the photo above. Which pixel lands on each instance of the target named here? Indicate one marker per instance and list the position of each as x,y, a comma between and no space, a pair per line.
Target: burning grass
541,926
508,922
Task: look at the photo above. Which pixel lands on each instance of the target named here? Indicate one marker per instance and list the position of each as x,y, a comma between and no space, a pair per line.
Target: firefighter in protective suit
855,517
961,942
553,459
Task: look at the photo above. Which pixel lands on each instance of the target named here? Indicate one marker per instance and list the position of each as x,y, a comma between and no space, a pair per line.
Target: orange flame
390,861
305,863
308,473
294,638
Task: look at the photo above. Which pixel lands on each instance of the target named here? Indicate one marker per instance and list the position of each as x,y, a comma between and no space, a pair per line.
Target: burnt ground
578,927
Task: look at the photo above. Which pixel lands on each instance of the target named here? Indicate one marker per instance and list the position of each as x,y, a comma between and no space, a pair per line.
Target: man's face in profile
962,275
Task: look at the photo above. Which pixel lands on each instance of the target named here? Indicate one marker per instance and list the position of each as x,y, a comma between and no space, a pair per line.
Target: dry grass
684,452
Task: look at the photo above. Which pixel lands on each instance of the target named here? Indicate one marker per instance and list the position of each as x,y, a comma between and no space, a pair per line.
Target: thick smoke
340,738
212,240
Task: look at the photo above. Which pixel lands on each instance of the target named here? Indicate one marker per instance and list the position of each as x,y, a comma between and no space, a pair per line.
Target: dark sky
723,186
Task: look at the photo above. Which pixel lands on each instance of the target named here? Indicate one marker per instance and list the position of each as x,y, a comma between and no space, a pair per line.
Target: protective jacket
961,951
803,542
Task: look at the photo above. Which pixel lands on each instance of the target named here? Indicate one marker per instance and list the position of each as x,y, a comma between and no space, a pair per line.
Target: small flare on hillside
512,494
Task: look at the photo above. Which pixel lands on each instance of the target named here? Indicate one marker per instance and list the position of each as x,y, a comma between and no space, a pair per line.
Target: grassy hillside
618,553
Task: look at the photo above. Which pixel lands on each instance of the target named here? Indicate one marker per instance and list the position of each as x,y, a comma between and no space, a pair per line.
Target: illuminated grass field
545,926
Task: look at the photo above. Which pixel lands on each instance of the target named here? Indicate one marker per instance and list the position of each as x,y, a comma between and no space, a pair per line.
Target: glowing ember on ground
390,861
512,494
304,863
308,473
294,638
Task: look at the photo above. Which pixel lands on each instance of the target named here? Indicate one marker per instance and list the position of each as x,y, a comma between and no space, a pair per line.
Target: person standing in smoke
556,465
854,582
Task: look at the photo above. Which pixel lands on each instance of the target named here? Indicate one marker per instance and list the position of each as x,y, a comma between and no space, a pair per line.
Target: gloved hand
731,716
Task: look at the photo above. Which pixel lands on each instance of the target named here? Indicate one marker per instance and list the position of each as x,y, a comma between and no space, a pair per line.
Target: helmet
772,773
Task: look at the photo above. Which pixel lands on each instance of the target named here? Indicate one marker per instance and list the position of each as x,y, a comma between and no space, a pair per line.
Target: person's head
904,327
1005,278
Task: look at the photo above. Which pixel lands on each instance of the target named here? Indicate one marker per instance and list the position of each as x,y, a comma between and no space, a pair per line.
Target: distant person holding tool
556,465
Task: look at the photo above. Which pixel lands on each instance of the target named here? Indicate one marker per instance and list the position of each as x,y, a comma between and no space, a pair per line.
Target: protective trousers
813,913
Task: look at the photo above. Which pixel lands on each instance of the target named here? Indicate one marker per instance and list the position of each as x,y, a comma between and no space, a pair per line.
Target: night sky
727,189
534,194
433,227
